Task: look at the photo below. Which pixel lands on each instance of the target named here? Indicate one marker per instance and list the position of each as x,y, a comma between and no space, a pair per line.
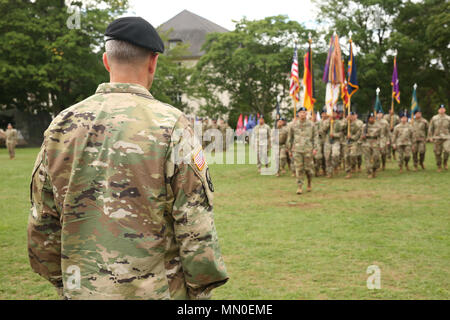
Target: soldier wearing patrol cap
402,140
371,145
122,198
420,127
439,133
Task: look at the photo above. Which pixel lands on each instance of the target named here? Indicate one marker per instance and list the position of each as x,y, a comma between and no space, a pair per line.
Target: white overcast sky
223,12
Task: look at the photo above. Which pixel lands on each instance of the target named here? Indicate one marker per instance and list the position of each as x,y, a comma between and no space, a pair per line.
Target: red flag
308,82
240,126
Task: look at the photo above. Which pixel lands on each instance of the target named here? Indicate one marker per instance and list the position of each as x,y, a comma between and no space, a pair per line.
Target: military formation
324,147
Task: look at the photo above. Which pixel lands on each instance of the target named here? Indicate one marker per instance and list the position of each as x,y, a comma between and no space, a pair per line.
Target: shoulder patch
199,159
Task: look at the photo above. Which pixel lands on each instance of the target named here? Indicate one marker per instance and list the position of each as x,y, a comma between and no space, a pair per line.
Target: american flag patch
199,160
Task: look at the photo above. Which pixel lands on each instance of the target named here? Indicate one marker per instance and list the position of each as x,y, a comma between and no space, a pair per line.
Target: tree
252,64
45,66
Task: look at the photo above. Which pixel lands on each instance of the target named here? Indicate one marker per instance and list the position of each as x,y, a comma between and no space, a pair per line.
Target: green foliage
44,64
252,64
420,33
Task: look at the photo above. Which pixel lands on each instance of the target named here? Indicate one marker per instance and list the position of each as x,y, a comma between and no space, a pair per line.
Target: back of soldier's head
122,52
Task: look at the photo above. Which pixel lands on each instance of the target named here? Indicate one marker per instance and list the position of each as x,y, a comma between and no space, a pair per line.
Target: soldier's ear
106,63
152,62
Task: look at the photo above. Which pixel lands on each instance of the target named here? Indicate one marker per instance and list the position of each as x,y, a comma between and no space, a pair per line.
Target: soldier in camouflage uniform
351,144
318,158
332,146
402,140
301,143
393,120
223,127
359,150
11,141
385,138
262,136
419,148
282,139
122,199
371,145
439,133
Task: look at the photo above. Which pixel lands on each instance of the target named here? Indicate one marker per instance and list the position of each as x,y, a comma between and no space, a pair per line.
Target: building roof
191,28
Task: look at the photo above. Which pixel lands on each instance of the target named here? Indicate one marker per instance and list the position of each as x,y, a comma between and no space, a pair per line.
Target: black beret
417,110
352,113
371,115
137,31
302,109
441,106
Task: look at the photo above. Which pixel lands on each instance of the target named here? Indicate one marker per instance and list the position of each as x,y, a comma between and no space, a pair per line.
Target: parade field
278,245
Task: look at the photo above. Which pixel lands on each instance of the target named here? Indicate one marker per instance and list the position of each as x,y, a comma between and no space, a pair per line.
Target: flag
240,126
308,82
344,92
245,122
318,117
414,103
378,108
333,74
395,82
352,82
294,87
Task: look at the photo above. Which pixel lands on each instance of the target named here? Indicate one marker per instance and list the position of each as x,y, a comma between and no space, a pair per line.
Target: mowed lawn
278,245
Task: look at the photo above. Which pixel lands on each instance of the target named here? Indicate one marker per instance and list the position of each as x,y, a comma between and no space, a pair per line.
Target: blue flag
378,107
352,82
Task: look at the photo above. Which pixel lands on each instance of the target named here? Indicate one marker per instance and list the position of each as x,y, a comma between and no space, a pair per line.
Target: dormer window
173,43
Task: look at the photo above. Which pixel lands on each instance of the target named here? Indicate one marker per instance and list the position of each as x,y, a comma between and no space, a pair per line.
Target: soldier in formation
371,145
385,139
332,130
439,134
301,143
393,120
262,135
283,150
419,147
353,135
402,140
122,197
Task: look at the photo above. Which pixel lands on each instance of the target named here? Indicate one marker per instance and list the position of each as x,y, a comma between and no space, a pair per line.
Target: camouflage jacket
384,132
338,130
370,135
420,128
282,136
262,134
355,131
302,136
439,127
11,136
403,135
122,202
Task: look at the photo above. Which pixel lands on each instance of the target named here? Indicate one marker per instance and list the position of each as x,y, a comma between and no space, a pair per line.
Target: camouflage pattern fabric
403,139
371,146
319,161
332,146
284,153
302,140
419,147
11,141
262,135
351,146
122,202
439,131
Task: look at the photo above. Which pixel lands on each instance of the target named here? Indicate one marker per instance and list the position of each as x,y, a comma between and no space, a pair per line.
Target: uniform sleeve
290,138
394,138
431,129
188,179
44,227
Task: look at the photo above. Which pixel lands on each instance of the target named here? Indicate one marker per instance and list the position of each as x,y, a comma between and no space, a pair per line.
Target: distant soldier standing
262,136
393,120
318,158
11,141
122,199
371,145
439,133
351,144
385,138
332,147
302,141
402,141
419,148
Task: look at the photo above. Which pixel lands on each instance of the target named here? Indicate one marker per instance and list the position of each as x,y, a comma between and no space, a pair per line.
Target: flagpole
350,97
378,93
412,115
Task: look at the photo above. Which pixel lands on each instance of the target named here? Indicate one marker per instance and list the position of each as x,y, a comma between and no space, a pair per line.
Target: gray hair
125,52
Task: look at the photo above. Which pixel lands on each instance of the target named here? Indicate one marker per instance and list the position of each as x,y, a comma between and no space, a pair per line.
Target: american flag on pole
294,88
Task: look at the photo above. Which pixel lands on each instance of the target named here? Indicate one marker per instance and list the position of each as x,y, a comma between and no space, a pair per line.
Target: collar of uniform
116,87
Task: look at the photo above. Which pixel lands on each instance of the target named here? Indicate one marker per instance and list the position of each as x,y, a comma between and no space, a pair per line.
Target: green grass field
278,245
